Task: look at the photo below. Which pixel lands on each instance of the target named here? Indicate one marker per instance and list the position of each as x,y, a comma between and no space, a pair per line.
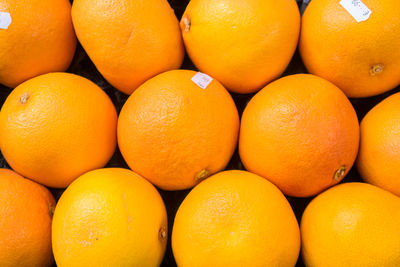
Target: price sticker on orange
357,9
5,20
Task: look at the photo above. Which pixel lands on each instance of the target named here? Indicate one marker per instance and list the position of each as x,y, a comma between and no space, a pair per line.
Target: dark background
82,65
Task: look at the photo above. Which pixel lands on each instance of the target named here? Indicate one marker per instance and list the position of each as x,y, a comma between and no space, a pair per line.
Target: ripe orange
361,58
301,133
243,44
26,210
129,41
379,158
110,217
56,127
174,133
352,224
36,38
235,218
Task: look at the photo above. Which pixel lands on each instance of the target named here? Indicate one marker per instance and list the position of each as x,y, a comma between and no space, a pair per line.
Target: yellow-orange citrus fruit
175,133
235,218
36,37
352,224
26,210
361,58
301,133
379,157
110,217
129,41
57,126
244,44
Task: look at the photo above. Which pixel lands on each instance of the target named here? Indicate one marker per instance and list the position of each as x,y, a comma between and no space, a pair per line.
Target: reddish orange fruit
300,132
26,210
36,38
129,41
175,133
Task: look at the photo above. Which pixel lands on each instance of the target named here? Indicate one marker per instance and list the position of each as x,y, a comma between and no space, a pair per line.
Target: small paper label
202,80
357,9
5,20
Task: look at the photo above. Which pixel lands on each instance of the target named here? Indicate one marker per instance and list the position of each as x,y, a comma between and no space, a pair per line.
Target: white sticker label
357,9
202,80
5,20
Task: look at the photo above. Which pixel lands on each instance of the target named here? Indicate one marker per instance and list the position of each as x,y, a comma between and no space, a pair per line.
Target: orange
379,158
244,44
56,127
301,133
129,41
352,224
25,222
36,37
235,218
361,58
110,217
175,133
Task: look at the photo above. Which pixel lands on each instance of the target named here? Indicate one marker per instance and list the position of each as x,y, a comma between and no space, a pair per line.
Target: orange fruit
235,218
243,44
56,127
175,133
110,217
36,37
361,58
379,157
129,41
301,133
352,224
25,222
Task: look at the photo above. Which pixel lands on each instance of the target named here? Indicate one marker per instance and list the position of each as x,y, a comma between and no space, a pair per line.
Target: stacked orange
179,129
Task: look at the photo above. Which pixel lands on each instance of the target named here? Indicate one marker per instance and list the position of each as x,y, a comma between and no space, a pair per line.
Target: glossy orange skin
235,218
379,158
110,217
129,41
301,133
39,40
361,58
352,224
175,133
244,44
56,127
26,210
